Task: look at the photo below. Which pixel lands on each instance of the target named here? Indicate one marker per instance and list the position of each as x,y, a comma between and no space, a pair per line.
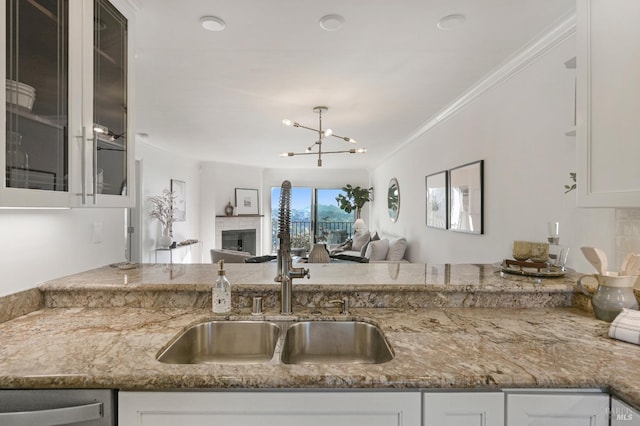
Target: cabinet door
35,132
464,409
48,148
623,415
608,101
560,409
106,155
269,408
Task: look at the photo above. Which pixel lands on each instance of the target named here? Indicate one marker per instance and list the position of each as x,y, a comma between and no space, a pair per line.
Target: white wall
517,128
158,168
218,184
41,245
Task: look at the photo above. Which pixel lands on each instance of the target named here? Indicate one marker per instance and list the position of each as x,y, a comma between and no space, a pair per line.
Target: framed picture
179,188
246,201
466,198
437,201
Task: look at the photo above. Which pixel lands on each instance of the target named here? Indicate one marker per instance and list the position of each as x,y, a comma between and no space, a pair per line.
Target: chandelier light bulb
327,133
361,150
350,140
287,122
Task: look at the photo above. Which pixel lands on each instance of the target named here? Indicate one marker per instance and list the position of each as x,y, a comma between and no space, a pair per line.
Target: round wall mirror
393,199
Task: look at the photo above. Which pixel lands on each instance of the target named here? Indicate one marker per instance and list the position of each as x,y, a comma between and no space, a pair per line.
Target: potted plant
354,199
162,209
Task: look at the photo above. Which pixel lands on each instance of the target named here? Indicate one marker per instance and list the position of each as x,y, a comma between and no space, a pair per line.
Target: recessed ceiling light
331,22
449,22
212,23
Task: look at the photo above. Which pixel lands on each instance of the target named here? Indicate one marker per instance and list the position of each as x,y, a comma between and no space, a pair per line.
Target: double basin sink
286,342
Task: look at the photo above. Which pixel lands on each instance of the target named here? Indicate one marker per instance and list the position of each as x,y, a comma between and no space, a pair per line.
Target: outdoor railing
330,232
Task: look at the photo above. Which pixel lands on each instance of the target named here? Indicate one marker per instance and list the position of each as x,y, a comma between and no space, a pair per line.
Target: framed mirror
466,198
393,199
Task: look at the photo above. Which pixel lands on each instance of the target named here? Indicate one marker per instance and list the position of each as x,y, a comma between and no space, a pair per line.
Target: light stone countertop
103,329
380,285
419,276
434,348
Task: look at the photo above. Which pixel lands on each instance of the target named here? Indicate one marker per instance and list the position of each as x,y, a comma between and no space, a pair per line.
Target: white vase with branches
162,210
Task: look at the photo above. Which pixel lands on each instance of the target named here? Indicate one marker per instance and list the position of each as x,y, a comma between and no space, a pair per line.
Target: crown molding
564,28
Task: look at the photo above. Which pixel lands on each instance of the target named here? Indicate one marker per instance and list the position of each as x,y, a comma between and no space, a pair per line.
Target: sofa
374,248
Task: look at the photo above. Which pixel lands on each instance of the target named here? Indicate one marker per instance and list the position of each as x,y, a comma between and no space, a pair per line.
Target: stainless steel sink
307,342
335,342
235,342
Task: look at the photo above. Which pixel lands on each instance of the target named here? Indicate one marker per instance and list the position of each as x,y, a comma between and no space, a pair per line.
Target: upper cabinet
608,102
68,132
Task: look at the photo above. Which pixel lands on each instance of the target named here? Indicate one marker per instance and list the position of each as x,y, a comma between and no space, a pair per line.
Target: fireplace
239,233
240,240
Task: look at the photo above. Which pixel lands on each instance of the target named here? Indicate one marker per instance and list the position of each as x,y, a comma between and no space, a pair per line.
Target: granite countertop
416,276
379,285
435,348
451,326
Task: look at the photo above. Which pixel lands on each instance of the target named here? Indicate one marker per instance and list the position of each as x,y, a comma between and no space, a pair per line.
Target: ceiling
221,96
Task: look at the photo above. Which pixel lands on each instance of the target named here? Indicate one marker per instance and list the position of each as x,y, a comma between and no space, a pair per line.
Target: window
315,218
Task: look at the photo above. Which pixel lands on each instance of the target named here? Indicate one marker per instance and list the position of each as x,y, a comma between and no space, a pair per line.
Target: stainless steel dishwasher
49,407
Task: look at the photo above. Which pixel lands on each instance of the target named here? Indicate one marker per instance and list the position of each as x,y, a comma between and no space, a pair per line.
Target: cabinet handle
56,416
95,165
83,165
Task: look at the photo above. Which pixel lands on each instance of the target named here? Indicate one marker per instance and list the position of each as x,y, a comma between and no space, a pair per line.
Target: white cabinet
557,409
67,136
623,415
269,408
608,101
463,409
362,408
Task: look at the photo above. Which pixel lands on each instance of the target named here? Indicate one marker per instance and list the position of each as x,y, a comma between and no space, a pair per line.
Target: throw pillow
363,250
397,247
359,239
342,247
346,245
377,250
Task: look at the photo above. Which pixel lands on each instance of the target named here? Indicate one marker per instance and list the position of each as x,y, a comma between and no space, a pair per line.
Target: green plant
569,188
354,198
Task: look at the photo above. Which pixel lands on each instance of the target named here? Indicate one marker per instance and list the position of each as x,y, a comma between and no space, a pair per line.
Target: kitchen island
79,340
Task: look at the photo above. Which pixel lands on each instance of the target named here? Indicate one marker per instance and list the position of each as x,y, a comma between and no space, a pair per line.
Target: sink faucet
286,272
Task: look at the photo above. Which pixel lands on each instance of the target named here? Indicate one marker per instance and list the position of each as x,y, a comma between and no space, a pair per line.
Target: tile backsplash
627,233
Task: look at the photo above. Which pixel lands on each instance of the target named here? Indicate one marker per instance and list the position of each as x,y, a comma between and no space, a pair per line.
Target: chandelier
322,134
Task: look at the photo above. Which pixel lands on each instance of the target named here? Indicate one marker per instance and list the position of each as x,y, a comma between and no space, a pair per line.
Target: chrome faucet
286,272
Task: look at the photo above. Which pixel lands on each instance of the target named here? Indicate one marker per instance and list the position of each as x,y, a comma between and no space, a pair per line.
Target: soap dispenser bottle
221,294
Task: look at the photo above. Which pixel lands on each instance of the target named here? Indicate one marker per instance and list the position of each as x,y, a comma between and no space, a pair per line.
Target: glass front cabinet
68,131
